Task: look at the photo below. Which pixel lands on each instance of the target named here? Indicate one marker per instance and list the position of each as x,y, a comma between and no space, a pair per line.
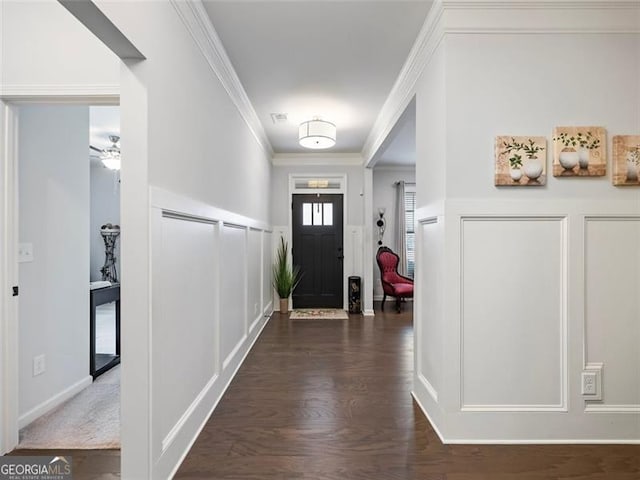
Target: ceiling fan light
317,134
110,156
111,162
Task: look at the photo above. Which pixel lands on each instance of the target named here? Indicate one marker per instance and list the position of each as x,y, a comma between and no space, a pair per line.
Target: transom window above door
317,214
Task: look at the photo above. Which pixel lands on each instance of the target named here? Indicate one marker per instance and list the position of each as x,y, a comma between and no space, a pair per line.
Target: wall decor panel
513,321
233,276
612,308
184,330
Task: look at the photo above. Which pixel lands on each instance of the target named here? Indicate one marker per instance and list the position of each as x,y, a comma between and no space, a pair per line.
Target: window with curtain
409,217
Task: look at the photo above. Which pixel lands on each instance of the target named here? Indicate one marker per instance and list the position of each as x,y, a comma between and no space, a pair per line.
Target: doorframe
9,218
341,190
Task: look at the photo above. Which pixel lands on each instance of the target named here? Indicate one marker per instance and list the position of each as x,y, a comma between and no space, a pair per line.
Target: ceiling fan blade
96,149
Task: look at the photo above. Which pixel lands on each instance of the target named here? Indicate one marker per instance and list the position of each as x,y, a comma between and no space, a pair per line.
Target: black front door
317,249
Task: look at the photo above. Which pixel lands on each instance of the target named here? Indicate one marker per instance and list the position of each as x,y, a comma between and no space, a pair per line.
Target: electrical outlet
591,385
38,365
25,252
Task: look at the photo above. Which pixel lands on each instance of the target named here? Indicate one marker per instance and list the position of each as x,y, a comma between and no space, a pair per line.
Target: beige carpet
319,313
90,420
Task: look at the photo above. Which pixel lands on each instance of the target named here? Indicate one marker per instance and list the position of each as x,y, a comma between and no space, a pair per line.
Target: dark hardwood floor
329,400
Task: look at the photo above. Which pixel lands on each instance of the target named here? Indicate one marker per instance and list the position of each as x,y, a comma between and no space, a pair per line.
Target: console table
101,362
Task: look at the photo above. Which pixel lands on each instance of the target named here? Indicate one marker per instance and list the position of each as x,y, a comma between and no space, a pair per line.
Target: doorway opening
62,191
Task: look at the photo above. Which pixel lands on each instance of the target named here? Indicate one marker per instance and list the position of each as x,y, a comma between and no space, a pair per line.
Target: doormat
319,314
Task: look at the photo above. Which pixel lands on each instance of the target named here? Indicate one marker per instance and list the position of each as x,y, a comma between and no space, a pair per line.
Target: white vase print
533,168
568,158
583,157
516,174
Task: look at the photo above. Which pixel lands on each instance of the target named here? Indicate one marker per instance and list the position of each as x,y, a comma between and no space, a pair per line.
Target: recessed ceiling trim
316,159
195,18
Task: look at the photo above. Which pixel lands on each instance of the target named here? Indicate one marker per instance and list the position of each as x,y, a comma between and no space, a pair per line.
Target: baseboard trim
369,313
53,402
431,422
215,403
168,440
542,442
501,441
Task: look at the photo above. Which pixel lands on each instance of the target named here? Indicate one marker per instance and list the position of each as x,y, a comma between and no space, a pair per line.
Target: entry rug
318,314
89,420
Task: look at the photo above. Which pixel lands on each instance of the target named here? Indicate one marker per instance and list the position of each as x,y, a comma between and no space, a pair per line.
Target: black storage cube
355,287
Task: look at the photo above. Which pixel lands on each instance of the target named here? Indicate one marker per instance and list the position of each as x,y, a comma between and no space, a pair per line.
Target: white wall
525,287
45,51
183,136
384,195
105,208
54,218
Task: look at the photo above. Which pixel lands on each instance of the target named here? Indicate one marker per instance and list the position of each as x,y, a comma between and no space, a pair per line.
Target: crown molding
540,4
403,90
317,159
395,168
196,20
108,94
509,17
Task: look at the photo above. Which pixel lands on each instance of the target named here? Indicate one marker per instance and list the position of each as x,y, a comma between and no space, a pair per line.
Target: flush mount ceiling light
110,156
317,134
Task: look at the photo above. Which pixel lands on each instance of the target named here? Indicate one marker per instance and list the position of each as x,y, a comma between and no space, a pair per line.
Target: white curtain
401,230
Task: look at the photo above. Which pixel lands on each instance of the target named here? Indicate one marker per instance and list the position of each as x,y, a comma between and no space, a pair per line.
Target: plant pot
568,158
516,174
284,305
533,168
632,172
583,158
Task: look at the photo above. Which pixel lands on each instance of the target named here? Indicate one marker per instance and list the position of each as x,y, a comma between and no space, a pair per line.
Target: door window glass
317,214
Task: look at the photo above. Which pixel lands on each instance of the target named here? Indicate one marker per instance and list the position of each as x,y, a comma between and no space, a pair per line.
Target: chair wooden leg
384,297
398,304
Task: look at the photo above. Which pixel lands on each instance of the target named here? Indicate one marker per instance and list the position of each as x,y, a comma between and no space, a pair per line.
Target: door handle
340,257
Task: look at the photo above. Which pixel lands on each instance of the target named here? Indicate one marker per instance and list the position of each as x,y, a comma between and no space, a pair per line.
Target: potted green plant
285,277
533,166
568,157
633,163
515,159
587,142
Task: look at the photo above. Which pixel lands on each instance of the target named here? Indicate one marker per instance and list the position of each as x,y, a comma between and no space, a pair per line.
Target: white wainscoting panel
200,258
430,304
184,325
233,256
267,261
513,313
254,277
612,309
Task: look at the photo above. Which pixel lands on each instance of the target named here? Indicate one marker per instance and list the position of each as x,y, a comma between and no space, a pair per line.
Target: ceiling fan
110,156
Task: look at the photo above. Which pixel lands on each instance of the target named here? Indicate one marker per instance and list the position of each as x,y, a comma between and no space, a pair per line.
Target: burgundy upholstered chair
393,284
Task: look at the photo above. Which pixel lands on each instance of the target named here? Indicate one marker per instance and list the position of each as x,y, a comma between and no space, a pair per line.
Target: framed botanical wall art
626,160
579,152
521,161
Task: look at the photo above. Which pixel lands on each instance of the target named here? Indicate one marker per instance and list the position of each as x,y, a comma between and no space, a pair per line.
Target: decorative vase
284,305
516,174
533,168
632,171
568,158
583,158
